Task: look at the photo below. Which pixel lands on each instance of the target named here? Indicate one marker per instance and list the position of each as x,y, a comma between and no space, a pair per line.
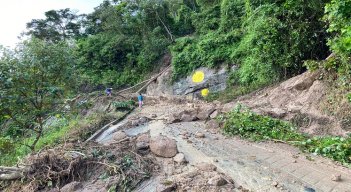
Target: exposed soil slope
298,100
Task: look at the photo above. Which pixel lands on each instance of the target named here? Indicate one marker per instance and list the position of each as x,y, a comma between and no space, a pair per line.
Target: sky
14,14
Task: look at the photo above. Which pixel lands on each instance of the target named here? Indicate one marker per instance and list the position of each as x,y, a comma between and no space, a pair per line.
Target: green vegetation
34,81
77,128
269,40
124,105
256,127
231,93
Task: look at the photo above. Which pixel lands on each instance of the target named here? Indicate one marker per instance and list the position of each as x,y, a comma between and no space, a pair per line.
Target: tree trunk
12,173
39,133
166,28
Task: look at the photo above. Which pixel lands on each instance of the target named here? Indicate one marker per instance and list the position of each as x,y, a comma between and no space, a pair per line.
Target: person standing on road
109,91
140,99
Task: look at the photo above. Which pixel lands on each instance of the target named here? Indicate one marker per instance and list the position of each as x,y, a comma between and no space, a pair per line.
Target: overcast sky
14,14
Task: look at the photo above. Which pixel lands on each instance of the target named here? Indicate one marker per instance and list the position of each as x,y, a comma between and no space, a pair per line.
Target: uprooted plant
53,168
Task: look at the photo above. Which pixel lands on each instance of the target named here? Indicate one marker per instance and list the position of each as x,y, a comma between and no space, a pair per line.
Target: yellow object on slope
198,77
204,92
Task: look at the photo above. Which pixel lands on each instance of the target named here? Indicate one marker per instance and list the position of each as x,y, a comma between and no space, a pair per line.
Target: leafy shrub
336,148
6,145
311,65
256,127
123,105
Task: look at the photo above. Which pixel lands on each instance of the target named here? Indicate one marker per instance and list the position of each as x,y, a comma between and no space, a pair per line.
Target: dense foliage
124,41
269,40
34,80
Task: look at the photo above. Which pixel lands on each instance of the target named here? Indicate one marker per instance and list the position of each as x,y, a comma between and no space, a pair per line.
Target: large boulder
212,124
163,146
205,113
203,166
188,117
180,158
142,142
173,118
139,121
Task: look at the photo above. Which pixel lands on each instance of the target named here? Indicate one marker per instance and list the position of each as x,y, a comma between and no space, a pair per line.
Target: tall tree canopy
33,81
58,25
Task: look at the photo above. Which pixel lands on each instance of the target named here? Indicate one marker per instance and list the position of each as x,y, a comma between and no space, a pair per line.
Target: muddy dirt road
255,166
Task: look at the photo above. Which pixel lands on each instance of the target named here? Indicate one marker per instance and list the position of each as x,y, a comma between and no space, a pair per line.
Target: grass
256,127
78,128
231,93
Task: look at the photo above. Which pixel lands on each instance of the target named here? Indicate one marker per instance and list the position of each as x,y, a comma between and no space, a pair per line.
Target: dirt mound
297,100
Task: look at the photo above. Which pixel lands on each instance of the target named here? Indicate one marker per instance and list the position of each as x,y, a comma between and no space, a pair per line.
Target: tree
33,81
58,25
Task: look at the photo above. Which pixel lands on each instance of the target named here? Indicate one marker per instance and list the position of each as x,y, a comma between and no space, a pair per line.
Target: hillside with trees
122,43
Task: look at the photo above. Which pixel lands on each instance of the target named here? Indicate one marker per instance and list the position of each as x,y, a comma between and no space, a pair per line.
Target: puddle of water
107,135
137,130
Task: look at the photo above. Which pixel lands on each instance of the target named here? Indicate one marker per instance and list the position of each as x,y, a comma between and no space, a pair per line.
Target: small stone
217,181
179,158
215,160
206,166
184,133
73,186
212,124
200,135
204,114
185,137
187,118
309,189
153,116
143,120
336,177
275,184
174,118
214,114
54,190
294,161
119,135
166,187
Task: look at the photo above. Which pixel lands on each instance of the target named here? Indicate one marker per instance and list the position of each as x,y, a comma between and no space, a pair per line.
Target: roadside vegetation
255,127
62,129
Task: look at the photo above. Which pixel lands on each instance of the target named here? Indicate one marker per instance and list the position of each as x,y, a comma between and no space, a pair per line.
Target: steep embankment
300,100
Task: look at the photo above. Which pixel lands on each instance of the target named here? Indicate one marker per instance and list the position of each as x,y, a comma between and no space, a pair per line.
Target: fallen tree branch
12,173
3,168
153,79
10,176
120,141
119,92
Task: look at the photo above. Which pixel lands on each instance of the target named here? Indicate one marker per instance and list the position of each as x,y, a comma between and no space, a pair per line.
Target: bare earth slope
297,99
